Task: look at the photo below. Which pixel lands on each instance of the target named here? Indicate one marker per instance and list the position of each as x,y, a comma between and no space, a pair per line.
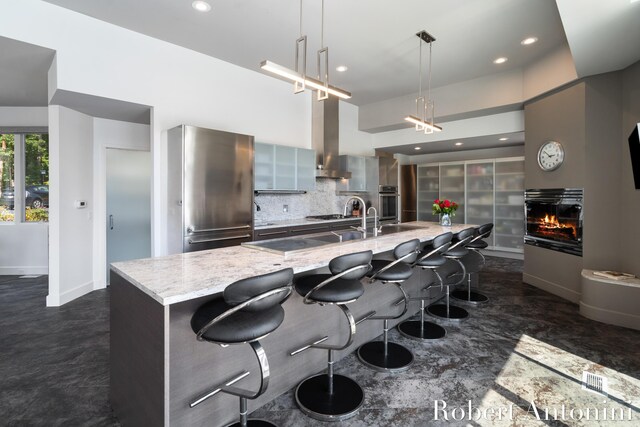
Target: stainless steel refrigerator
209,188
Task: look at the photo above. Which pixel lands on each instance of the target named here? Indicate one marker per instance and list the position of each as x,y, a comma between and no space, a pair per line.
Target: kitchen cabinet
490,190
279,167
364,174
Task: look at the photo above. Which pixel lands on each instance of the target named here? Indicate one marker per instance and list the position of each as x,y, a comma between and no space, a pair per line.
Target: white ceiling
374,38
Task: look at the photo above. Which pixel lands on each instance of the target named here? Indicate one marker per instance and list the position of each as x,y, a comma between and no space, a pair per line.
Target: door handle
111,222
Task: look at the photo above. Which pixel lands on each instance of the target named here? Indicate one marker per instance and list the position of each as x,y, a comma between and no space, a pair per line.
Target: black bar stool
474,261
247,311
384,355
429,259
330,397
455,253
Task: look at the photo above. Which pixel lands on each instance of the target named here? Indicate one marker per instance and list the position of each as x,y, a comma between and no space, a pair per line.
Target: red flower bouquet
444,207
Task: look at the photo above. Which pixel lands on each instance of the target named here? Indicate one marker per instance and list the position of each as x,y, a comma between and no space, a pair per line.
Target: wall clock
550,156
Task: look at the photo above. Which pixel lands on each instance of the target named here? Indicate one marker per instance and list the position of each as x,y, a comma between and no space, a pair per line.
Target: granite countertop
298,221
181,277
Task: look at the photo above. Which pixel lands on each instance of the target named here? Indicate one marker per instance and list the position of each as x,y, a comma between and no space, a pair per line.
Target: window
6,177
34,177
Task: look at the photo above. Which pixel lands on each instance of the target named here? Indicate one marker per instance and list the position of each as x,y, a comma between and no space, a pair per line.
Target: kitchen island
158,366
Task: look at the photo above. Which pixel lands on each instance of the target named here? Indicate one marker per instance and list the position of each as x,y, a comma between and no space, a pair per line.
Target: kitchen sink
397,228
290,245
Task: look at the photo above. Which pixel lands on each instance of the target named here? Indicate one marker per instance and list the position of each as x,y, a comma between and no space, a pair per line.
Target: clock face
550,155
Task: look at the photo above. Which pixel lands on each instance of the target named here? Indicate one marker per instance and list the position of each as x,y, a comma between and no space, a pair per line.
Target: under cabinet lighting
458,144
304,80
201,6
503,139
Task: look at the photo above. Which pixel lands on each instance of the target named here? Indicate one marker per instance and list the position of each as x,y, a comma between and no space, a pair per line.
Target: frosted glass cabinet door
263,166
285,168
479,205
306,169
128,205
428,191
452,187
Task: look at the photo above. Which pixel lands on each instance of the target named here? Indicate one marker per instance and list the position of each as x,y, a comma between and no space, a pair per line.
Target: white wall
23,246
182,86
352,140
71,229
109,134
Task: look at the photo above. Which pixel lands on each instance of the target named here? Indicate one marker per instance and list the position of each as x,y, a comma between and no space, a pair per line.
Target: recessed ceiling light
418,148
503,139
341,68
529,40
201,6
458,144
500,60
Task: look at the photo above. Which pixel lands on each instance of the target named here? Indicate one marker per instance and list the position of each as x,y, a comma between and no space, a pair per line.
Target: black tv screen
634,149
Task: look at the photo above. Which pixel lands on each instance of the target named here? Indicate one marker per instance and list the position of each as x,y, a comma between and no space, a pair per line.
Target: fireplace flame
551,223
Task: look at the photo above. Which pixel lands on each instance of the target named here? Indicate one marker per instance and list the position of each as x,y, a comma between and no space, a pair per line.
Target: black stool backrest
345,262
463,237
406,248
245,289
484,230
442,242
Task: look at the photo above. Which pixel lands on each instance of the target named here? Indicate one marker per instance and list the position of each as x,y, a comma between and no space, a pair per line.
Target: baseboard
70,295
19,271
610,316
554,288
503,254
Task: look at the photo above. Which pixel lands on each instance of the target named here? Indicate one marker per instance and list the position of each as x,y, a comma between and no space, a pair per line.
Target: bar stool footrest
314,400
398,358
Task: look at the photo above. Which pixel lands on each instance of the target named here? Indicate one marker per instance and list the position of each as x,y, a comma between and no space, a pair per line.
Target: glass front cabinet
490,190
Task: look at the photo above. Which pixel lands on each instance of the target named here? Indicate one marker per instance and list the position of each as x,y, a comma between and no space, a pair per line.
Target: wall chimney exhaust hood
325,138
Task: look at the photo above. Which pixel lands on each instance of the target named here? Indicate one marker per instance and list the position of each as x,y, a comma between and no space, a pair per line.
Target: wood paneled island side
157,365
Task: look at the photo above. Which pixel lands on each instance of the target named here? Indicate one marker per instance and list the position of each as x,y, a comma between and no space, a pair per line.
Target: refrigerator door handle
191,229
193,242
111,222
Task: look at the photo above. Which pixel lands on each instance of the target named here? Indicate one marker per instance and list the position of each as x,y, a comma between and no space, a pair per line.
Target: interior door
128,205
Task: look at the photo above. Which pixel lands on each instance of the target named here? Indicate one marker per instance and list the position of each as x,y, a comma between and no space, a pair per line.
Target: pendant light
299,74
425,108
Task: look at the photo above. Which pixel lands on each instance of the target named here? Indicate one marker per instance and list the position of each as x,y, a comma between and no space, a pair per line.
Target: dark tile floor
524,346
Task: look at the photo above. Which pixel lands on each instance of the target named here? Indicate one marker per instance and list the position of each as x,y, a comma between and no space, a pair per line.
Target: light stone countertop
181,277
298,221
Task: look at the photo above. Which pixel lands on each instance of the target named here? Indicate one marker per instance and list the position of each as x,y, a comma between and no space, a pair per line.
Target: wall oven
388,202
554,219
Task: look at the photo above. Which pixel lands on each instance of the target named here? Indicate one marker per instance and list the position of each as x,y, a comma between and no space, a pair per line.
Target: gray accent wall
629,196
592,119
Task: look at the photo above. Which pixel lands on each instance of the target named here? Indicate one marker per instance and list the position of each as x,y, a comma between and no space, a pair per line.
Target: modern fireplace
554,219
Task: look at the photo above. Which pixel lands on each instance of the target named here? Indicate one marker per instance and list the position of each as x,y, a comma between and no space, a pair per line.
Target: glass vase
445,220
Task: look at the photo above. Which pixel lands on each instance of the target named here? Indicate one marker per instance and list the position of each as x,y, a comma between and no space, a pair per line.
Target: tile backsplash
323,200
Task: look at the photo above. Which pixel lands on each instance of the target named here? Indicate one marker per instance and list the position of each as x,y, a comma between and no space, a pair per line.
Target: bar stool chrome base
313,397
397,359
455,313
470,297
421,331
254,423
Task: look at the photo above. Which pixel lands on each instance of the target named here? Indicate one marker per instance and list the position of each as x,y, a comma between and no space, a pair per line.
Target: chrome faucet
376,229
363,226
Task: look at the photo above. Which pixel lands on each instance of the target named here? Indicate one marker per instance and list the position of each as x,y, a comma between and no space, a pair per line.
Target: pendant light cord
300,19
420,68
429,87
322,26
